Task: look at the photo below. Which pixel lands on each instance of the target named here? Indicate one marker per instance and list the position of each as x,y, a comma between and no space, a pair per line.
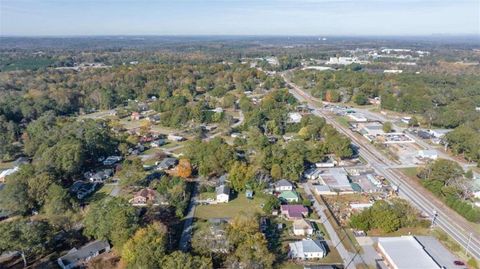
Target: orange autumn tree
184,168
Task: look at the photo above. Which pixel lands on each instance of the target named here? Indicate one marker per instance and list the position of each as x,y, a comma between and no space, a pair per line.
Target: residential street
349,259
184,243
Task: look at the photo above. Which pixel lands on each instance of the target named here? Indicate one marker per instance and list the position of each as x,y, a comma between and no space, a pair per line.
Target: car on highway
459,263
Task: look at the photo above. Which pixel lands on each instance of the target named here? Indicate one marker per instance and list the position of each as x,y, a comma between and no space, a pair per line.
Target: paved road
453,224
186,237
349,259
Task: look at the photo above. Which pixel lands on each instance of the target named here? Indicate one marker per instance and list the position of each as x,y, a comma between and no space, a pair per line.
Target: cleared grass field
231,209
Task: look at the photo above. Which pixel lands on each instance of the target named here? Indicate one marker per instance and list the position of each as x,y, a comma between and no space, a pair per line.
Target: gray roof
283,183
299,248
310,245
85,252
167,163
223,189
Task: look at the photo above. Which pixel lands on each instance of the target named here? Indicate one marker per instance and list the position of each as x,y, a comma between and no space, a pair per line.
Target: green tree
413,122
112,219
147,247
387,127
181,260
239,175
29,238
360,99
59,207
271,204
132,172
276,171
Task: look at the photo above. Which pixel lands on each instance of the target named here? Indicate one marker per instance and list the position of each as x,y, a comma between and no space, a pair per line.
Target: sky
240,17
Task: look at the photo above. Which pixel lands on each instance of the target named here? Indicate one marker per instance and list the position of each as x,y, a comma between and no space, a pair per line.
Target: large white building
405,252
428,154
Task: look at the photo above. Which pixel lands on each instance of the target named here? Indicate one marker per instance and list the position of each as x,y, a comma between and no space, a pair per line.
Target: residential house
302,227
7,172
176,138
157,143
294,117
223,194
135,116
99,176
83,189
293,212
155,118
283,185
145,197
289,196
167,163
110,160
78,257
307,249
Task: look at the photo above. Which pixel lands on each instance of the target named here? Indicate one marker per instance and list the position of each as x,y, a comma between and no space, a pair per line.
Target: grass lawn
410,172
207,195
400,232
343,121
230,209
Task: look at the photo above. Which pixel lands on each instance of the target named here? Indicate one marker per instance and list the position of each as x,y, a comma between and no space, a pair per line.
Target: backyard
232,208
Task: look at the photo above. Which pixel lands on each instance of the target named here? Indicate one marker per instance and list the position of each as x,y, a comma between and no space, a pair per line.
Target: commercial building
336,179
405,252
428,154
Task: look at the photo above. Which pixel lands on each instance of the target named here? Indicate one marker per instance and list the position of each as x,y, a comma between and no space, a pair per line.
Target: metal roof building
405,252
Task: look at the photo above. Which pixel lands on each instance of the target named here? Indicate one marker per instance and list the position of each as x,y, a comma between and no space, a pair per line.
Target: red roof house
294,211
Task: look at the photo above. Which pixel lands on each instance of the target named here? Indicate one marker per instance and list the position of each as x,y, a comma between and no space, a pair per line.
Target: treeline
446,179
388,216
442,100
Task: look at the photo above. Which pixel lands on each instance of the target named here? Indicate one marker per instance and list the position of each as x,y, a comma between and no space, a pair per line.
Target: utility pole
435,214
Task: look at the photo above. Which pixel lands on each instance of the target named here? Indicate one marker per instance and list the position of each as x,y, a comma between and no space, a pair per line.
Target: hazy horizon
240,18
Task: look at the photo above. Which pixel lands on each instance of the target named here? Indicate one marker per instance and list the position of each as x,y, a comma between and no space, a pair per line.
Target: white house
7,172
223,194
428,154
307,249
283,185
177,138
77,257
302,227
294,117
